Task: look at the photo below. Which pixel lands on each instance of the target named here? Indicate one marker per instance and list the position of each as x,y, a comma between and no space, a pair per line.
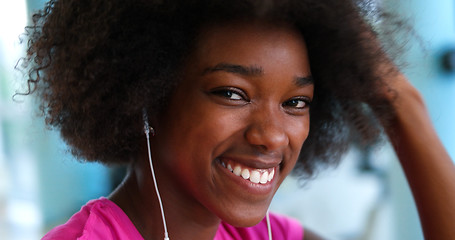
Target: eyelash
229,92
304,100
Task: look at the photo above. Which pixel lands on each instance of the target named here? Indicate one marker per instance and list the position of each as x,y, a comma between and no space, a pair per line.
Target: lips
254,175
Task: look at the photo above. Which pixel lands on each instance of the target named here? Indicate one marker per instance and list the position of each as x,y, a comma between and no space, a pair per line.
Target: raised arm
428,168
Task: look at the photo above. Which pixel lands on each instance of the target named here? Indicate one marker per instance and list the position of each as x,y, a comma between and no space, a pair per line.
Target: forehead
251,43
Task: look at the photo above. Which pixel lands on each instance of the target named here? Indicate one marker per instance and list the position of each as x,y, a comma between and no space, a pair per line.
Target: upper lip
259,162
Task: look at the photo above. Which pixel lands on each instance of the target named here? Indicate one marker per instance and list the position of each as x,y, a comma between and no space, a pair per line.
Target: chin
244,218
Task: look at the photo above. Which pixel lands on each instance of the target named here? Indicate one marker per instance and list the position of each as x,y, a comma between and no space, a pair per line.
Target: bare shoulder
310,235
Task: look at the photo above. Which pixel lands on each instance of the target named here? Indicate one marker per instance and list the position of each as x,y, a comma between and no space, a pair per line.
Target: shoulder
282,228
98,219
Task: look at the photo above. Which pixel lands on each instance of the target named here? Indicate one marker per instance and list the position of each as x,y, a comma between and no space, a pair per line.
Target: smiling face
234,127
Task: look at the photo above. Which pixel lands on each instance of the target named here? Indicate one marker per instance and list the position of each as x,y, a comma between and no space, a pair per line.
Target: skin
244,99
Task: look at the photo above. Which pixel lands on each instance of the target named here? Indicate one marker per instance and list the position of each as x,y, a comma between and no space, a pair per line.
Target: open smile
254,175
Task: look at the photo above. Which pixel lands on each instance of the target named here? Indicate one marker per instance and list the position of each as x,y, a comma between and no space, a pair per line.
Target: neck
185,217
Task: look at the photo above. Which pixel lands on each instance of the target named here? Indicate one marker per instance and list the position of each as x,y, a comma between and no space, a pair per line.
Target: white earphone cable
147,132
269,225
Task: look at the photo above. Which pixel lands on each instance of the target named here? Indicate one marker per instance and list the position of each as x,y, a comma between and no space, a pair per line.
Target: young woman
222,101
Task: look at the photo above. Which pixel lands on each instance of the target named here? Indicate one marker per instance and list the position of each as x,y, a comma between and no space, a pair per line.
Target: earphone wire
269,226
147,132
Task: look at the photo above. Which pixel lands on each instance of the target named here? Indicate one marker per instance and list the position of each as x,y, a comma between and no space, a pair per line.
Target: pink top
103,220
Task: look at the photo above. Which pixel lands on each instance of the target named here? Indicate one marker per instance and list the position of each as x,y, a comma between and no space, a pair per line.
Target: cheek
199,131
299,131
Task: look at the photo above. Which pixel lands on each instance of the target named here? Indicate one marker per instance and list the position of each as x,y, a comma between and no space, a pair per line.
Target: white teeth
264,177
245,173
272,173
237,170
255,176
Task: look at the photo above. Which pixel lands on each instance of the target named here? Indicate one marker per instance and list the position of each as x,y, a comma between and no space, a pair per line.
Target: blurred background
366,197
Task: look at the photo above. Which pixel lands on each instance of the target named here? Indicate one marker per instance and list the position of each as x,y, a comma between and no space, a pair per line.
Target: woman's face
234,127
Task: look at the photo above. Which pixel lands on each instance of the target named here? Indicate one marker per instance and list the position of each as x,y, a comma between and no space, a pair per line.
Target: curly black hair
95,64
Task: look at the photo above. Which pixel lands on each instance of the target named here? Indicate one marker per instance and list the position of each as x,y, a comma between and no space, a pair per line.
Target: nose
266,130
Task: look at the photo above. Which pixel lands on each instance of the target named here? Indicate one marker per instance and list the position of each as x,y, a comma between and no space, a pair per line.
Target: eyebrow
235,68
253,70
304,81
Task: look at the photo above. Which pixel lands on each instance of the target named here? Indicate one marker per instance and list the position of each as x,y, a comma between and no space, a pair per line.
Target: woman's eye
297,103
229,94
